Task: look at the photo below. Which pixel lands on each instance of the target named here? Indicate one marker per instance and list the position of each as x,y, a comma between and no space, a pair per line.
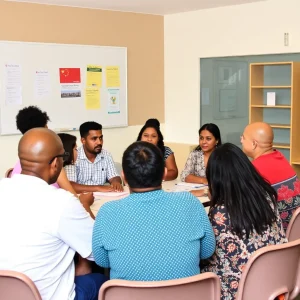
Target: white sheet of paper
109,194
181,188
13,84
113,99
271,96
191,185
13,75
42,85
13,95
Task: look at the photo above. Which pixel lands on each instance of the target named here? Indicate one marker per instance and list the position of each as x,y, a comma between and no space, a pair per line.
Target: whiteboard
48,93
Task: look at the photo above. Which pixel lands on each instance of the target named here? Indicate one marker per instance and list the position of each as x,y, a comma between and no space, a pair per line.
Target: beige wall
143,35
181,152
255,28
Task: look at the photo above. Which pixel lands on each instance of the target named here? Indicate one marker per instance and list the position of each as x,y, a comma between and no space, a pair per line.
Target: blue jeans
87,286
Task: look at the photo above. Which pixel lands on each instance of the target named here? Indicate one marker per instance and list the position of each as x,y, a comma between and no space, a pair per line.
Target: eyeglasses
64,156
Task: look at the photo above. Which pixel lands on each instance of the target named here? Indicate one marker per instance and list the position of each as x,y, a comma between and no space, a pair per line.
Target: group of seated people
150,234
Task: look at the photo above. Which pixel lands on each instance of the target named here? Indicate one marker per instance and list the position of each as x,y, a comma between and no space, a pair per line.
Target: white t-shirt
41,228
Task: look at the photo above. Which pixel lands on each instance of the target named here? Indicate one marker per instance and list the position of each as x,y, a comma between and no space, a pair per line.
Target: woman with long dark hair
209,139
151,133
243,213
70,146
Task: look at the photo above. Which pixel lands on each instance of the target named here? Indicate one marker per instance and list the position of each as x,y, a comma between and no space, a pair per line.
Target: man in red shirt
257,142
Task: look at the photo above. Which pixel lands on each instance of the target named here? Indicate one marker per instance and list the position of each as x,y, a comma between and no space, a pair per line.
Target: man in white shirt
48,225
94,165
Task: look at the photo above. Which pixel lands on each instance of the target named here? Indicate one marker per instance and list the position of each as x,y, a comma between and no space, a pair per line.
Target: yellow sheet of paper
92,98
113,76
94,76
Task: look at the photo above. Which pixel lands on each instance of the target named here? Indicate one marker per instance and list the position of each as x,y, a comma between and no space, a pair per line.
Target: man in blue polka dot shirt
151,234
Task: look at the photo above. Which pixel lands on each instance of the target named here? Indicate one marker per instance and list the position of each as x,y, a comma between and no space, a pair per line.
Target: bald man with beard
257,142
41,227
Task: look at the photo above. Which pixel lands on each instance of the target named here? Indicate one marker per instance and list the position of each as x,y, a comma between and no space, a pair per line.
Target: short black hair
153,123
31,117
69,142
233,181
87,126
143,165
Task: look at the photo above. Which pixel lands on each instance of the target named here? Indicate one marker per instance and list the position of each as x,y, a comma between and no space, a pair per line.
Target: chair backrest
293,230
15,285
8,173
203,286
270,272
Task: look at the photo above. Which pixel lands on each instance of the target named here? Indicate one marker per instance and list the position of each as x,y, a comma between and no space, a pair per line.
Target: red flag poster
69,75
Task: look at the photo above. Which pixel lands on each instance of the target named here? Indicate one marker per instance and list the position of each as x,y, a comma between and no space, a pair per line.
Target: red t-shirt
274,167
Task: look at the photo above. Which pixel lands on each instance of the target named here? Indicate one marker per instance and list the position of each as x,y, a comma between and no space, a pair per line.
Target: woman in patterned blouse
243,214
209,139
151,133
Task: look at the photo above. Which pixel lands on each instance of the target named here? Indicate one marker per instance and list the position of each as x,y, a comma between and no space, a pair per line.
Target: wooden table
167,186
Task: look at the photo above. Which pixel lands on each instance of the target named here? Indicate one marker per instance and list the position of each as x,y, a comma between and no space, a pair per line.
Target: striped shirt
168,152
97,172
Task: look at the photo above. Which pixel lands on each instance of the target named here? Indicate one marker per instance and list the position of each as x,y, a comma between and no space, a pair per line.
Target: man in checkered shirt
94,166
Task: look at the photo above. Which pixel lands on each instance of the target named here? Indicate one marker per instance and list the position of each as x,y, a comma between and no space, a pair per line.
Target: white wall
115,141
249,29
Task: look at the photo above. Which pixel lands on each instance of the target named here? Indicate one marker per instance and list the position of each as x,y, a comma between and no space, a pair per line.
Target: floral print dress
194,165
232,252
288,198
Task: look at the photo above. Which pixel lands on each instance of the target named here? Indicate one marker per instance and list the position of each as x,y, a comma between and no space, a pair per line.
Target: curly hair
31,117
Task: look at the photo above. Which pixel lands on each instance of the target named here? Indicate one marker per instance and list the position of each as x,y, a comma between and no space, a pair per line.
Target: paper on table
182,188
191,185
109,194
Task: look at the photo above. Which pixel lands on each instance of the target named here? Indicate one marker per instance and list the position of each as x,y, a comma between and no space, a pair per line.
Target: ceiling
158,7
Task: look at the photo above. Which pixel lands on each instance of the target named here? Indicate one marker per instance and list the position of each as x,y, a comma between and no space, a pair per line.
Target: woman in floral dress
243,214
209,140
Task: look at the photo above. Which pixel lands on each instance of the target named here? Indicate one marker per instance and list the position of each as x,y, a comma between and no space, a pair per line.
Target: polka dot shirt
153,236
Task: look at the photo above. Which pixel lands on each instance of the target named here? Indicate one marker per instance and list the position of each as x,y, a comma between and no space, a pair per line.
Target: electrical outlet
286,39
